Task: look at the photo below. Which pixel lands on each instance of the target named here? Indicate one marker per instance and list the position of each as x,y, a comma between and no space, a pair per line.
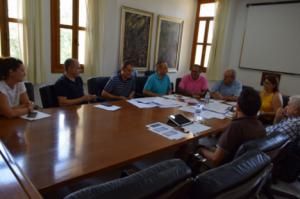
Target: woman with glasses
271,99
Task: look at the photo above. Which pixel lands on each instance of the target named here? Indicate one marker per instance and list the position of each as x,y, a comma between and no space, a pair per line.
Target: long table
81,141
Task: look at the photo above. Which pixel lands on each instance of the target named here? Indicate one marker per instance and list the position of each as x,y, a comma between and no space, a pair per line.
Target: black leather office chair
48,96
30,90
241,178
96,85
177,84
275,146
139,85
271,145
148,183
149,72
285,100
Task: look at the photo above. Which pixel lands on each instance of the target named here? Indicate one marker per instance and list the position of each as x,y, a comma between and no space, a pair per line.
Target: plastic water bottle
198,111
207,97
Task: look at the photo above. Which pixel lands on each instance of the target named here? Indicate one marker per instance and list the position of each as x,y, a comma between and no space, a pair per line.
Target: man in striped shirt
287,120
120,86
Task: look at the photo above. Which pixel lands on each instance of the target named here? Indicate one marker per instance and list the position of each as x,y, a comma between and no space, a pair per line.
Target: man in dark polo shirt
120,86
243,128
69,87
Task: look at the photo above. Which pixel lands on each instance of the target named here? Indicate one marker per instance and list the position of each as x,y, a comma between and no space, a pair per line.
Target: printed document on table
217,107
189,109
108,108
39,115
209,114
165,131
166,103
231,103
139,104
195,128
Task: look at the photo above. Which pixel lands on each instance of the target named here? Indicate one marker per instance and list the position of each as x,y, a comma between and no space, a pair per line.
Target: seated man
158,83
243,128
227,89
120,86
69,87
193,84
287,120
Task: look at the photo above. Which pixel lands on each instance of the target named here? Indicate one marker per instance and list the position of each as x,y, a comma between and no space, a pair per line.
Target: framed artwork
135,37
265,74
168,41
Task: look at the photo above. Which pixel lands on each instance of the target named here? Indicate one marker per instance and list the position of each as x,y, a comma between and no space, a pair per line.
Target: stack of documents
150,102
165,131
217,107
195,128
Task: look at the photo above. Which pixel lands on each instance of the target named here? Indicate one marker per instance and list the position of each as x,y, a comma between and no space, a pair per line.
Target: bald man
227,89
69,87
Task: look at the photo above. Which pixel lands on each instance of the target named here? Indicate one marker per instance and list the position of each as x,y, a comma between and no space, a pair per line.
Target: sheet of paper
141,105
172,97
189,109
145,100
108,108
163,103
40,115
191,101
209,114
195,128
231,103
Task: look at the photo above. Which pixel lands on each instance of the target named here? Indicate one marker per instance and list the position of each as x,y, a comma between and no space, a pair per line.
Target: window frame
195,39
4,27
56,66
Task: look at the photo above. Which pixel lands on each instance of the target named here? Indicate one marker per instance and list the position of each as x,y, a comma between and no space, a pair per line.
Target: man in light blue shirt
158,83
227,89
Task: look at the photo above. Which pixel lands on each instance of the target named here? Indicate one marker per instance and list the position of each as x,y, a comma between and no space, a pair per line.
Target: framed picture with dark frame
168,41
265,74
135,37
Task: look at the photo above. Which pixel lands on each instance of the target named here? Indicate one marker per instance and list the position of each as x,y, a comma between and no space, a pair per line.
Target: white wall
288,83
112,8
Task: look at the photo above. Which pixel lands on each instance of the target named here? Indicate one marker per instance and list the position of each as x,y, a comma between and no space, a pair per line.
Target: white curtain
94,37
33,40
214,71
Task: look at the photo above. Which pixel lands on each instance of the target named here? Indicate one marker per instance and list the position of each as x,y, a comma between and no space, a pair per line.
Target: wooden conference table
13,183
81,141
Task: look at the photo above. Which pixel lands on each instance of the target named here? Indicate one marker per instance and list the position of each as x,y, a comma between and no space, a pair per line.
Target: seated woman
271,100
14,100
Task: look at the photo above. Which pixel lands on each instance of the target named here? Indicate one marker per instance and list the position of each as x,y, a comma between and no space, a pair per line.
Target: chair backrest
139,85
96,85
272,145
285,100
240,178
144,183
177,84
48,96
149,72
30,90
